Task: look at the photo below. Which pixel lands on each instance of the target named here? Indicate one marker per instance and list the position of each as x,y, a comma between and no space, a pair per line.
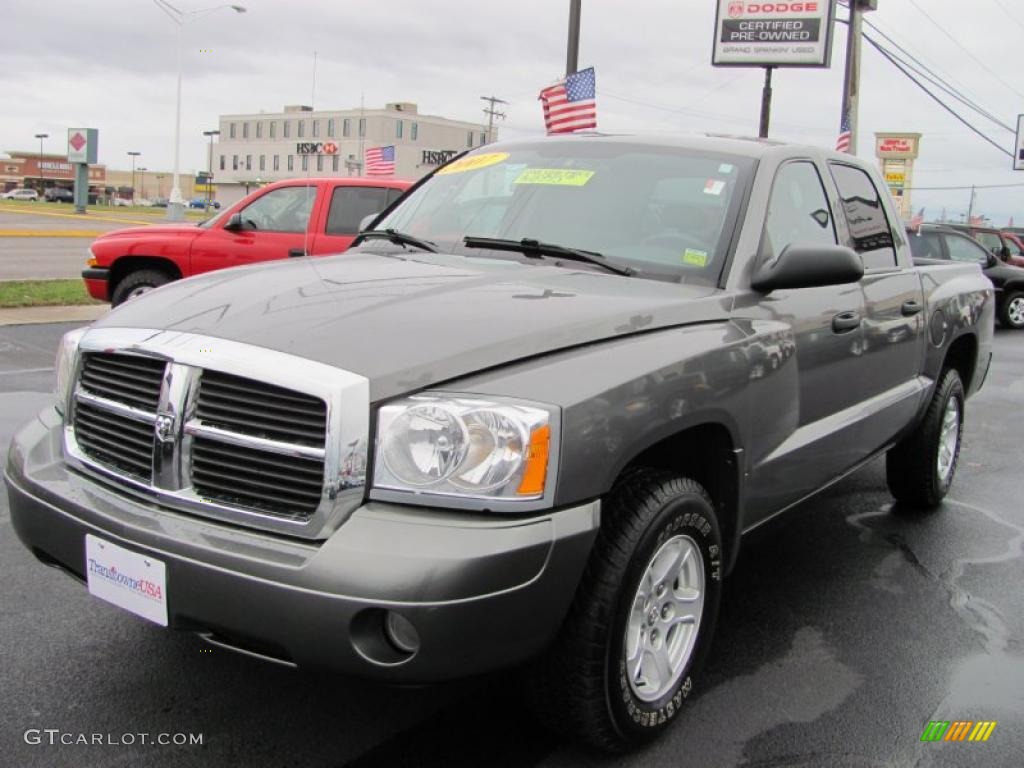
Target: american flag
380,161
571,105
843,142
976,221
917,220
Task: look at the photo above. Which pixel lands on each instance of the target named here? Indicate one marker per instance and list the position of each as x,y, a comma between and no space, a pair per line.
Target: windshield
665,211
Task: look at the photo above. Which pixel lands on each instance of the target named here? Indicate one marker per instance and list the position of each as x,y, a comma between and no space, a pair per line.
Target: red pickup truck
297,217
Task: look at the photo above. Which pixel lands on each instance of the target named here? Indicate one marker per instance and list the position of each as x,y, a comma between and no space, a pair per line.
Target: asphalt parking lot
843,631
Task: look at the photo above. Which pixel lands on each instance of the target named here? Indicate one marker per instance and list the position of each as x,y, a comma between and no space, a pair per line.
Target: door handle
911,308
845,321
295,252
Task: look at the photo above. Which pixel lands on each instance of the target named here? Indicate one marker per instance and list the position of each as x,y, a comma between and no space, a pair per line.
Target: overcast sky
110,64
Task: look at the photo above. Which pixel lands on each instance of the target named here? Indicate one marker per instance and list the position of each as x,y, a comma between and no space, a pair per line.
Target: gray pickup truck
525,421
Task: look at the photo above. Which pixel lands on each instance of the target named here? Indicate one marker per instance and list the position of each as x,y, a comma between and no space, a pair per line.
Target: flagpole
360,130
573,48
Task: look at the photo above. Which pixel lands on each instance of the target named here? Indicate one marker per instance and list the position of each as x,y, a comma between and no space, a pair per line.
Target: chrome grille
115,440
262,410
288,486
280,443
126,379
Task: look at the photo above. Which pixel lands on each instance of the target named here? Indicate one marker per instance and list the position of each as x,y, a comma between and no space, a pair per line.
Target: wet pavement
844,630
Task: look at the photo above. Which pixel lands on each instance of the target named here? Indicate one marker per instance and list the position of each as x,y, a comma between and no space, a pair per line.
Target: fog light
401,633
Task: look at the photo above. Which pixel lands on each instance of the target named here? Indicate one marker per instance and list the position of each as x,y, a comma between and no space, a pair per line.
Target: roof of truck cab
731,145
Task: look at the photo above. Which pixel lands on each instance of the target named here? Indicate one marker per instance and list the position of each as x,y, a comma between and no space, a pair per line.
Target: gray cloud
110,64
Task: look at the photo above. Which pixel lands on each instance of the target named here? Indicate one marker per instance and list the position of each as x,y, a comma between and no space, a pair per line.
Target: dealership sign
896,146
773,34
316,148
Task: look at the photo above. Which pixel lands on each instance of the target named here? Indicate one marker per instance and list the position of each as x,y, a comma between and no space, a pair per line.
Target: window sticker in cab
695,258
714,187
473,163
561,177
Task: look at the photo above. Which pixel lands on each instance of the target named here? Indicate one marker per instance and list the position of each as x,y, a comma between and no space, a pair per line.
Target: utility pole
209,167
133,155
42,182
766,103
492,113
970,207
573,49
851,78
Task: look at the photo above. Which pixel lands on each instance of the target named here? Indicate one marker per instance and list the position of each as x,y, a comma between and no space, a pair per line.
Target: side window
865,215
990,240
963,248
280,210
350,205
925,245
798,211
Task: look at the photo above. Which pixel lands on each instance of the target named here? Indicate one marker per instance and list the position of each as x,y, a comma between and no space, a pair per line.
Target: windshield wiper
536,249
394,236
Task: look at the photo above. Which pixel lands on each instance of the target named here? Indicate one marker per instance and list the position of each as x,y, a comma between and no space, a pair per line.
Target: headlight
464,446
67,356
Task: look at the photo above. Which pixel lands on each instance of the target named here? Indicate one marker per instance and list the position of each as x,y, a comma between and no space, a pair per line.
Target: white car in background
21,194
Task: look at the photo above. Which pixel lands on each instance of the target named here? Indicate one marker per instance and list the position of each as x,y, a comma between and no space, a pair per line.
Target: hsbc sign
776,34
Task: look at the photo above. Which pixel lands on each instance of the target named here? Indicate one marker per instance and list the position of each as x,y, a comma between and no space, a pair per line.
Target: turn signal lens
536,470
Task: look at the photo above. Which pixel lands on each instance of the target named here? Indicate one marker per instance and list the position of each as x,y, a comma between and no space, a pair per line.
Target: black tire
140,279
1012,307
582,684
911,466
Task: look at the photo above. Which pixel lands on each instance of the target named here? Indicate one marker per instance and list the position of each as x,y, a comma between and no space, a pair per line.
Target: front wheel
642,619
1011,314
920,469
134,284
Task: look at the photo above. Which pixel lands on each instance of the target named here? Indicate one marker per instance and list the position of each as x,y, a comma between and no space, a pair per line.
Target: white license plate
128,580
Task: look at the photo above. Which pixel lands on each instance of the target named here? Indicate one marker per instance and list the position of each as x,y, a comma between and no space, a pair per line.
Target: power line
968,186
1009,15
932,76
960,45
892,60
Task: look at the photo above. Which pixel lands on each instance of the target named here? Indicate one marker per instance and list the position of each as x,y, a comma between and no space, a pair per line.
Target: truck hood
164,230
413,320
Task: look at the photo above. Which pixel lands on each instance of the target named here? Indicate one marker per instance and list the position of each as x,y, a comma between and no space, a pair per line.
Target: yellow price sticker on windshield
473,163
561,177
695,258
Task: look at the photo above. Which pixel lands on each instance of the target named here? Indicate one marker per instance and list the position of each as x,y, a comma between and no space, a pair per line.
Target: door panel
275,225
822,362
349,205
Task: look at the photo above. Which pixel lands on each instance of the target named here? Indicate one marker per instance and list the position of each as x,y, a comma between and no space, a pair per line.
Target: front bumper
97,282
483,592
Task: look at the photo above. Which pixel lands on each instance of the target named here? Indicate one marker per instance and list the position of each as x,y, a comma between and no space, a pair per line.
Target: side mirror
367,220
809,266
234,222
992,261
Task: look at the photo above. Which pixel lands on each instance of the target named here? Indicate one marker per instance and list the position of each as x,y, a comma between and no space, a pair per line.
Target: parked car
527,419
59,195
160,202
285,219
21,194
119,202
935,243
990,237
200,202
1016,246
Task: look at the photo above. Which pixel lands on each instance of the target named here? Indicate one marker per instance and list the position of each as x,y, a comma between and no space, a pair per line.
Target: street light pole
573,48
133,155
851,76
41,136
209,167
142,181
176,207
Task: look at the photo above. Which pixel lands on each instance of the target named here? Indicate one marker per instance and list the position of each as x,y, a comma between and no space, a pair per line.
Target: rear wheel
920,469
136,283
1011,314
642,620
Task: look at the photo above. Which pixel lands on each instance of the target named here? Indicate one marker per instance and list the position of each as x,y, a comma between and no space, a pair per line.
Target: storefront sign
773,34
316,148
896,145
437,156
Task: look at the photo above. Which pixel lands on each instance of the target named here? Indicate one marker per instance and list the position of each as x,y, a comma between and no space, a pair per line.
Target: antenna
312,95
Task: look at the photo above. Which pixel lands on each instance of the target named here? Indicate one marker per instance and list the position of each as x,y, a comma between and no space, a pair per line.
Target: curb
51,232
85,313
